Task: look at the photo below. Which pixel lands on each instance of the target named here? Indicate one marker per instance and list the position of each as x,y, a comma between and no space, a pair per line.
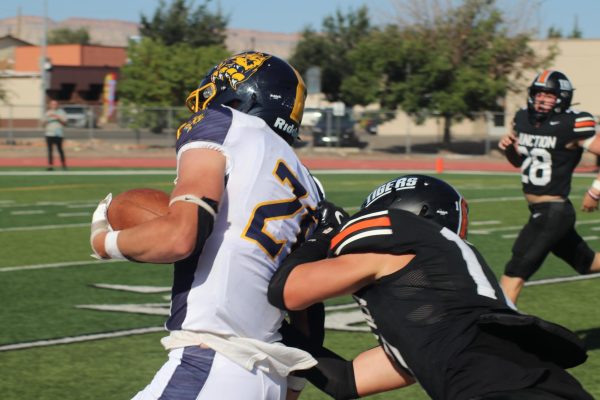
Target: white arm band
586,143
190,198
295,383
596,185
111,247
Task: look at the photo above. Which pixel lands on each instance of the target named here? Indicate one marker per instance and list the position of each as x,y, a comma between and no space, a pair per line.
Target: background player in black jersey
547,142
433,303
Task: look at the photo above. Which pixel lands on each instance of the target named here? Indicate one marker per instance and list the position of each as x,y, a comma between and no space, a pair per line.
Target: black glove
331,217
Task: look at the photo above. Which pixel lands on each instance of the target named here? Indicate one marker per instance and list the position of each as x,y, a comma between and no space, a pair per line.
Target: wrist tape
111,247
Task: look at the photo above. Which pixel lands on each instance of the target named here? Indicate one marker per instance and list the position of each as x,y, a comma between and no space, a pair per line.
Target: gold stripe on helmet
298,109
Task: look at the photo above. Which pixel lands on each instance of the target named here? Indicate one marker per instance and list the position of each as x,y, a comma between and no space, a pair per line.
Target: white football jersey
268,207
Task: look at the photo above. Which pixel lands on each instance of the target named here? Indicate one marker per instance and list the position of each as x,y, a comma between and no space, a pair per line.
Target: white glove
100,222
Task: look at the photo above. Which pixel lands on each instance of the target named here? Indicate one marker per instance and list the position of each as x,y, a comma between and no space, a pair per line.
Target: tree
69,36
329,49
576,33
454,62
181,23
554,33
161,75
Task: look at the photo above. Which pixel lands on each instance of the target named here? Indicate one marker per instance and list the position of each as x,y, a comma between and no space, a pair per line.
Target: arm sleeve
313,249
333,375
511,153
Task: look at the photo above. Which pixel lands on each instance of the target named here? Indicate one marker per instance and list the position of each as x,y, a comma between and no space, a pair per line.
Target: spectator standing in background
54,122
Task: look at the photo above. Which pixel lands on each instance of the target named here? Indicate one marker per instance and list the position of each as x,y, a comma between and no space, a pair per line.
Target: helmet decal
239,67
402,183
565,84
425,196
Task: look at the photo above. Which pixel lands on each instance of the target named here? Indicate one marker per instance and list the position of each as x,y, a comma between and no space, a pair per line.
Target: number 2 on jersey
277,210
537,166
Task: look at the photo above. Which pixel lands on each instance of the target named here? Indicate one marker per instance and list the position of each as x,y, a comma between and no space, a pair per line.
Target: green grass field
51,288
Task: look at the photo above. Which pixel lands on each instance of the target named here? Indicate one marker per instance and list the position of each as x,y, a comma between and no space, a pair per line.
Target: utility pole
43,59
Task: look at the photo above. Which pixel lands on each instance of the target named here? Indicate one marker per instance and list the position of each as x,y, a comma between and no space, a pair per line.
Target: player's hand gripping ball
136,206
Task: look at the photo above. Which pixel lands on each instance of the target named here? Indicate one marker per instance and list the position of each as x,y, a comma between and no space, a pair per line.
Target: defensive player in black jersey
433,303
547,142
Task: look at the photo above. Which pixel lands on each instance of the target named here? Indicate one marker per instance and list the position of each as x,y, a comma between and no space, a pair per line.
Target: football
136,206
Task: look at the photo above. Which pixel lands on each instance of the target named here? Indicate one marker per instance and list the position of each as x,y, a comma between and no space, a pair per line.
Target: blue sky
292,16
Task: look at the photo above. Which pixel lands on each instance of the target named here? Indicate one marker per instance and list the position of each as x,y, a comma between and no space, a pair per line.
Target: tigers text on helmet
425,196
257,84
554,82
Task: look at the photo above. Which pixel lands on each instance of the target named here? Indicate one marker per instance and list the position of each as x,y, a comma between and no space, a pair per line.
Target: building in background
78,73
76,76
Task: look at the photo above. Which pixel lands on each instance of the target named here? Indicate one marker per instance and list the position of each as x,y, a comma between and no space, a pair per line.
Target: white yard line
487,231
79,214
56,265
42,227
140,331
562,279
91,173
83,338
27,212
481,223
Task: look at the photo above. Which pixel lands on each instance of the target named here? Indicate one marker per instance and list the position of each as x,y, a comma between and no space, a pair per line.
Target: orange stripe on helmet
368,224
543,76
464,219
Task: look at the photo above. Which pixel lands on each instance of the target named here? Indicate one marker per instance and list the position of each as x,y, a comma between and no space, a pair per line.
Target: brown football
137,206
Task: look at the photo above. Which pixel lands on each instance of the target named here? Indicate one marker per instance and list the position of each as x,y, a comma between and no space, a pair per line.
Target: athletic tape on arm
190,198
586,143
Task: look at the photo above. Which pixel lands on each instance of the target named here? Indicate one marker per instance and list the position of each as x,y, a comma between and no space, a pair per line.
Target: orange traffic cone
439,165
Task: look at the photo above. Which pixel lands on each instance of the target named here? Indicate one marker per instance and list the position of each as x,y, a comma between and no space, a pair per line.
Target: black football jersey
426,313
547,162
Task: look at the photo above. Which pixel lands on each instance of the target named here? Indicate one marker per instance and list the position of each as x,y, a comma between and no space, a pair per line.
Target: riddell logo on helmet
284,126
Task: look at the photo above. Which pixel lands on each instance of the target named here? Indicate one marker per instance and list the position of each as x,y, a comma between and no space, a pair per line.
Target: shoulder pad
210,125
362,232
385,231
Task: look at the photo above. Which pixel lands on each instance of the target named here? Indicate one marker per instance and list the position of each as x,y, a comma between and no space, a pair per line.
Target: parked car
335,131
79,116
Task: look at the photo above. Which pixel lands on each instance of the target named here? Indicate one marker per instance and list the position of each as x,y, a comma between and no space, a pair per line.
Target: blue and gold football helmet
257,84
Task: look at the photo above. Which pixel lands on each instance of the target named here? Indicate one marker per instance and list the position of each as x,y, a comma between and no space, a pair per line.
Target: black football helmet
425,196
257,84
554,82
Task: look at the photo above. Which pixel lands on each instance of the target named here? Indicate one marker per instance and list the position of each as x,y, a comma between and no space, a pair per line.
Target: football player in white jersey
241,201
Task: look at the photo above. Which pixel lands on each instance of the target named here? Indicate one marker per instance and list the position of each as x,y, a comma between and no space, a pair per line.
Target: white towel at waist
248,353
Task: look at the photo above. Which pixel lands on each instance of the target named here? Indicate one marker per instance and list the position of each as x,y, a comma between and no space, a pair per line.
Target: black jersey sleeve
210,125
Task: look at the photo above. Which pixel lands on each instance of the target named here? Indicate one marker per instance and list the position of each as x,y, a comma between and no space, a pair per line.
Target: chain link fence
322,128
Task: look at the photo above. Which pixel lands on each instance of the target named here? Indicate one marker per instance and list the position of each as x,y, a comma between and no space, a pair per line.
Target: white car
79,116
